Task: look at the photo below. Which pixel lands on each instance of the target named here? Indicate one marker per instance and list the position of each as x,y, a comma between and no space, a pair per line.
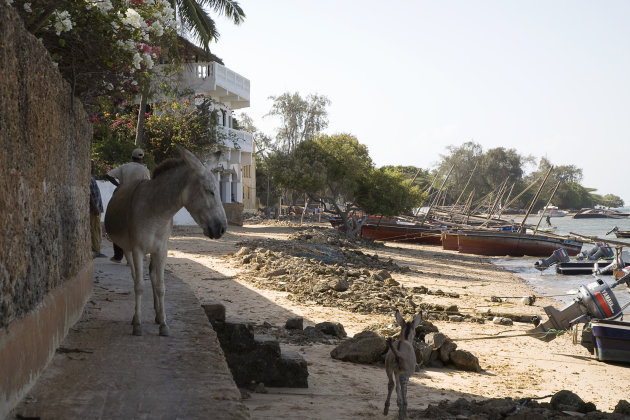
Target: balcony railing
236,139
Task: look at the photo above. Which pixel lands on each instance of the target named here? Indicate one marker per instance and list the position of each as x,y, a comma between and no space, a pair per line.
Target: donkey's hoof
164,331
137,330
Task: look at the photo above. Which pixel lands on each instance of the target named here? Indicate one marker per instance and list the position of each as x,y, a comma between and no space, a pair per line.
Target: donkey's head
408,329
202,198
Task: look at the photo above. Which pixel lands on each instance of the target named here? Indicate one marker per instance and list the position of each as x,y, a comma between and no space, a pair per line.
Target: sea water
564,287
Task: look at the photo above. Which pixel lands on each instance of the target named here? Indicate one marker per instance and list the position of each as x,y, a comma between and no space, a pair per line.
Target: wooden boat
450,241
401,232
600,214
492,243
619,233
612,340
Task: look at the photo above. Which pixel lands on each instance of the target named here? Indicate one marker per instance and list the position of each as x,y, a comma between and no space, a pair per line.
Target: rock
243,251
456,318
502,321
321,287
435,339
215,311
260,388
423,352
465,360
384,274
331,328
341,285
391,282
451,309
528,300
295,323
365,347
446,349
313,334
376,277
568,401
235,335
622,407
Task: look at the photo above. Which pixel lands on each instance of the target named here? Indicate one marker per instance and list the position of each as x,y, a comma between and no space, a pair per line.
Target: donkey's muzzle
214,230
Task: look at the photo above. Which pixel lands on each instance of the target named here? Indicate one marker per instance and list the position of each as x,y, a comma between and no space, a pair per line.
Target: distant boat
619,233
552,211
513,244
600,214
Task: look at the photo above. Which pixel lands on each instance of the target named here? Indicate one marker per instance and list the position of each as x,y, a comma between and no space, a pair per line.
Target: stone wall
45,255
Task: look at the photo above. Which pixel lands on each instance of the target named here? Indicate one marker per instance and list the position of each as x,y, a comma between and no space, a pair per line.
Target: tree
300,118
193,15
338,171
611,200
387,192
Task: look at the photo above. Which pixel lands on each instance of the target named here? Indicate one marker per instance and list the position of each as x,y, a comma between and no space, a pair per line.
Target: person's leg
118,254
95,232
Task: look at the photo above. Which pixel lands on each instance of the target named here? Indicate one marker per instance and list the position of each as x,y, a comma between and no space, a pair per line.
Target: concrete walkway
101,371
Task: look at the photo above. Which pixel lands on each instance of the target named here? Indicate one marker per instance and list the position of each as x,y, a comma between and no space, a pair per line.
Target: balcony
236,139
216,80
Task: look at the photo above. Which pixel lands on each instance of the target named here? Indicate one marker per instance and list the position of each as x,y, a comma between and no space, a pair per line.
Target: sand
514,367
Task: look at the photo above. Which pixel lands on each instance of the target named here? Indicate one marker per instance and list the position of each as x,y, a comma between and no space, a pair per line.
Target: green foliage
611,200
167,125
102,48
301,119
387,192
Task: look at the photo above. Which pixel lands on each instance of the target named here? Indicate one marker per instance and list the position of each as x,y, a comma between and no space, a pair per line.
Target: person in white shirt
126,174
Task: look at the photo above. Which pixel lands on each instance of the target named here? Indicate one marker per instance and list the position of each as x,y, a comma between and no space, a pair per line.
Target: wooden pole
547,205
466,186
434,201
521,229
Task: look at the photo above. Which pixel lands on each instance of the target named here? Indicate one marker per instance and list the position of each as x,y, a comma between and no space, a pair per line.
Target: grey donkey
400,362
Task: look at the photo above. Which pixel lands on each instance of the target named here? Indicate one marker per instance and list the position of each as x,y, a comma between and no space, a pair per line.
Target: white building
229,91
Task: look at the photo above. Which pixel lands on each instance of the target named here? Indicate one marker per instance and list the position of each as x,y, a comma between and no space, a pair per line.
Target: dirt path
512,367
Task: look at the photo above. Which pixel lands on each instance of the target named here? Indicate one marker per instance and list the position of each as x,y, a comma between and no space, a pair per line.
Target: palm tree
195,18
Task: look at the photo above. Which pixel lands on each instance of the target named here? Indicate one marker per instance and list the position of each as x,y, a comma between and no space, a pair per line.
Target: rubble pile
321,266
564,404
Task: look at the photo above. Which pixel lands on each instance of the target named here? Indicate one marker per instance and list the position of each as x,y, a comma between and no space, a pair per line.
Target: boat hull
612,340
396,233
579,267
450,241
513,244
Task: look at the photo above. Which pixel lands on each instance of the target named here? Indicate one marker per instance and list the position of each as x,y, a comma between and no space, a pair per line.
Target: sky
549,78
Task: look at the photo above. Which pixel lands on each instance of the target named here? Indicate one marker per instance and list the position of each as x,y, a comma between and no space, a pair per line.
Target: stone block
215,311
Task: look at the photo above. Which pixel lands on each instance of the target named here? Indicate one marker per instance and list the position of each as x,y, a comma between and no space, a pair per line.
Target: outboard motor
600,250
558,256
595,300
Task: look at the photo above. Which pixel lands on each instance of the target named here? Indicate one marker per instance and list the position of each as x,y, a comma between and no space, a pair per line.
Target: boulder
295,323
568,401
365,347
423,352
331,328
465,360
436,339
446,349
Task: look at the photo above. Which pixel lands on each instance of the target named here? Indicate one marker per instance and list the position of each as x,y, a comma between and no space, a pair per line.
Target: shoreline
512,367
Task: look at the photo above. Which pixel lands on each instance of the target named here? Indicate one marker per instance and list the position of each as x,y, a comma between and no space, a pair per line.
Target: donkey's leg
390,388
136,266
158,261
402,410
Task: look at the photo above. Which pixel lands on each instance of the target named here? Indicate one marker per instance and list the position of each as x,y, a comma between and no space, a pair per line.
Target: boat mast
522,228
547,205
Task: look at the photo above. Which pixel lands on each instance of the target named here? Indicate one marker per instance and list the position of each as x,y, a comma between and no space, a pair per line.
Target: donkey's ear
400,319
416,321
214,159
191,160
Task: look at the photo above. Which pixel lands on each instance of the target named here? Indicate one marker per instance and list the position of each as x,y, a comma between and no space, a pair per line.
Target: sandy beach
516,367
